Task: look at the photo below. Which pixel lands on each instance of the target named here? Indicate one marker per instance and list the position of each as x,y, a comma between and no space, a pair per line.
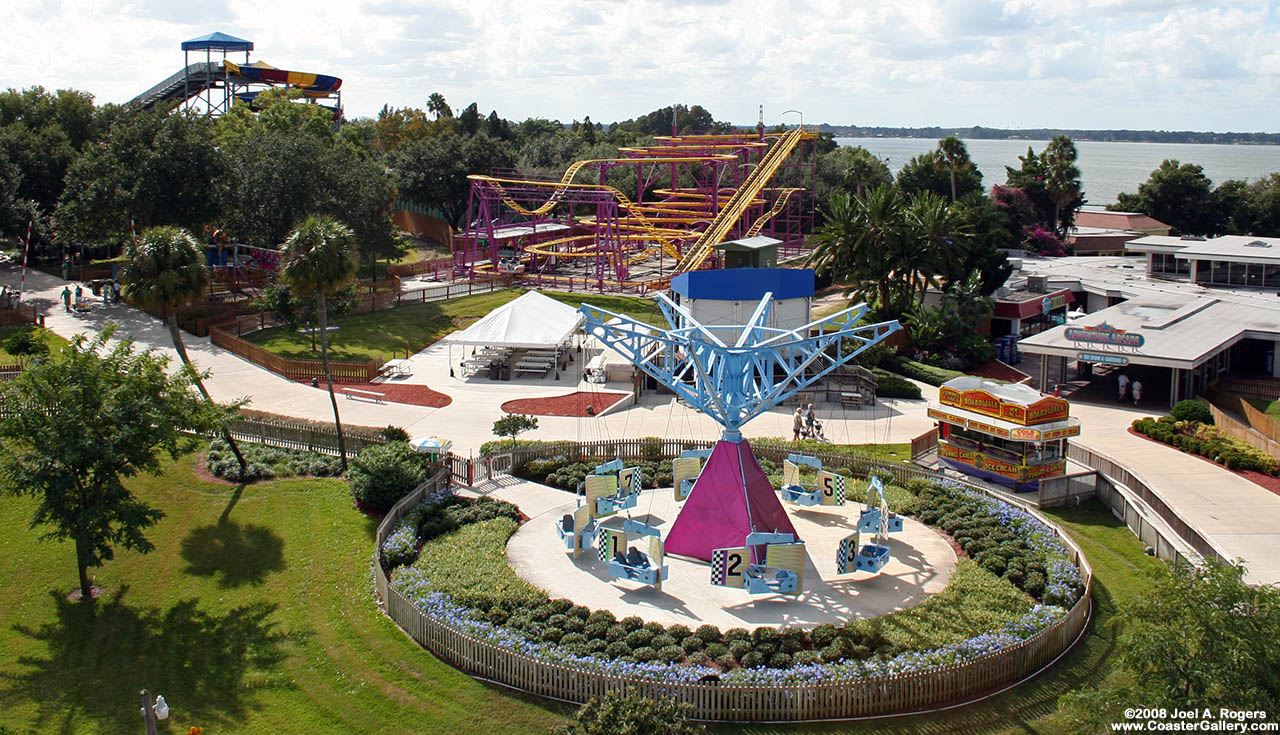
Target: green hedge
895,386
920,371
1194,437
265,463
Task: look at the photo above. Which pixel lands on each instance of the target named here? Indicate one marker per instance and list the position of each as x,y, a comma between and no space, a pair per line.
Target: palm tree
320,258
166,270
938,234
1062,180
954,157
437,106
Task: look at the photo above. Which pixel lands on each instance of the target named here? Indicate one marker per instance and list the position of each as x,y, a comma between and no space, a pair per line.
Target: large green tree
933,171
1202,639
1178,194
849,169
83,422
153,168
433,171
165,270
319,259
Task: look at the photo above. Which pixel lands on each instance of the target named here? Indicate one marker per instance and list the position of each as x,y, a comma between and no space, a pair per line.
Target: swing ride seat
636,528
800,495
615,503
634,566
895,523
686,486
872,557
784,582
869,521
565,530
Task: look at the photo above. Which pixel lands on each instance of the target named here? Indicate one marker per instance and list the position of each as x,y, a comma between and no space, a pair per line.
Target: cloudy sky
1015,64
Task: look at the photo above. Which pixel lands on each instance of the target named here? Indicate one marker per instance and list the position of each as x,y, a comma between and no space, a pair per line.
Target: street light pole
148,713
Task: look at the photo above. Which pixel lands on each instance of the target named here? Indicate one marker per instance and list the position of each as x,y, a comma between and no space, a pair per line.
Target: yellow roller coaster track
561,187
741,200
778,205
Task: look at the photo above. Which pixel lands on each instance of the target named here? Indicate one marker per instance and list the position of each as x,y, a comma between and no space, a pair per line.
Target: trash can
506,372
494,370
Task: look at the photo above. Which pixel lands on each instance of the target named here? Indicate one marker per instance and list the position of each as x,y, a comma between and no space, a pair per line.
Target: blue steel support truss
733,384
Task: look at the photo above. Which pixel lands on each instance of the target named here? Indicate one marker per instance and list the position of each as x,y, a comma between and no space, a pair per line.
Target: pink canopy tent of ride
731,498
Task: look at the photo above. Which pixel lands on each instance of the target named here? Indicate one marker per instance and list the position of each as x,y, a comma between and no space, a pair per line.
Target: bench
367,395
850,399
392,368
539,369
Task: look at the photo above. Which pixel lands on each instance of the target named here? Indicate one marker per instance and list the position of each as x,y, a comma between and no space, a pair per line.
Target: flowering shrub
1005,540
401,547
1195,437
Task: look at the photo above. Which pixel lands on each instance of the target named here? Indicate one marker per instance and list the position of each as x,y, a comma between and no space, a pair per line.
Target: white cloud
999,63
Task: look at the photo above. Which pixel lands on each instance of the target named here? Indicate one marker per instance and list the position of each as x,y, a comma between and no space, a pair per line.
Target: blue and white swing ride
732,384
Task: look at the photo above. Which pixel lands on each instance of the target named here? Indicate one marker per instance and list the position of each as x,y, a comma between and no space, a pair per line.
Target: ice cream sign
1105,336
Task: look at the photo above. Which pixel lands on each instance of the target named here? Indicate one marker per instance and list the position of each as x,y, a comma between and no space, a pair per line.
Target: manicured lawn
49,338
1121,574
254,614
1270,408
384,334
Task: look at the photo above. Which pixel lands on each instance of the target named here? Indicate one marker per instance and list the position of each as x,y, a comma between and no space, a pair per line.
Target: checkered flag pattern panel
602,545
717,566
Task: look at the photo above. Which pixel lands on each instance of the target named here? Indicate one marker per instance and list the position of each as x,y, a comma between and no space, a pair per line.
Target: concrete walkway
1242,519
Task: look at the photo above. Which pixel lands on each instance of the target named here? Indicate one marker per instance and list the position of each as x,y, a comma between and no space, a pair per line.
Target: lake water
1106,169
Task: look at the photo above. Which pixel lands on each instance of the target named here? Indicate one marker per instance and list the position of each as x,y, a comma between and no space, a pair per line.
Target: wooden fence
19,315
486,466
343,372
836,699
1258,429
297,435
436,267
1264,390
924,444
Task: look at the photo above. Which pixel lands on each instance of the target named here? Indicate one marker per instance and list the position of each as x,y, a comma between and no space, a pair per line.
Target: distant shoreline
1100,136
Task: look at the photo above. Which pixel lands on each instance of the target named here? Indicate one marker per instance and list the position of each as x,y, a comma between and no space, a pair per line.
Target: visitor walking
809,421
66,269
1137,391
66,298
1123,380
797,423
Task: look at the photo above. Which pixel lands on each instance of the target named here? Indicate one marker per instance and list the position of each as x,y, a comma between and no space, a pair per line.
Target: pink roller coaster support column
731,498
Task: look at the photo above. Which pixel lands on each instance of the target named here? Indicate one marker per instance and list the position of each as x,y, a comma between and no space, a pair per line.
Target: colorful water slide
265,74
742,199
198,77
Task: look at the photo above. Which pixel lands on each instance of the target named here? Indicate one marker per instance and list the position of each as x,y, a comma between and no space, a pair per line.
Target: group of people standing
805,424
110,292
1128,388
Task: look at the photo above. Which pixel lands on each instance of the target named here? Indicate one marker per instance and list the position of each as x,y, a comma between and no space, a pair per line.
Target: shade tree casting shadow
210,666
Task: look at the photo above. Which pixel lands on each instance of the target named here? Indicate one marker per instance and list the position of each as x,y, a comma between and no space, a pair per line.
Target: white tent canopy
529,322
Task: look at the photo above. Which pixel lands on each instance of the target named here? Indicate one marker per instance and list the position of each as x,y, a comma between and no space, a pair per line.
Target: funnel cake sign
1106,336
982,402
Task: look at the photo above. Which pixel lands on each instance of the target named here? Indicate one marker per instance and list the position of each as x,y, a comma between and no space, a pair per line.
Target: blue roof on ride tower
217,41
744,284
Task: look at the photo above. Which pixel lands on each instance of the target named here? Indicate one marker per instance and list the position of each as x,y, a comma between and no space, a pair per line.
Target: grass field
49,338
383,334
1270,408
254,614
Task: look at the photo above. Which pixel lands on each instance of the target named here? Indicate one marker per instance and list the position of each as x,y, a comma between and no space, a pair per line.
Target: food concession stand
1007,433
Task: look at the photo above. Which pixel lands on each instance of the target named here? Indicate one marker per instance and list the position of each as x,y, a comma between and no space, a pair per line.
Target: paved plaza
1241,518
